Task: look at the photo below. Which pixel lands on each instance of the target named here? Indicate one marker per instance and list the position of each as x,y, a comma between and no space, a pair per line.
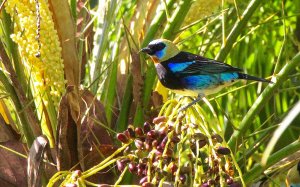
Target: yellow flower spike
46,71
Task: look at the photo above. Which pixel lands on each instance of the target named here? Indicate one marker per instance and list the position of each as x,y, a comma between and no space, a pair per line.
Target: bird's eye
160,46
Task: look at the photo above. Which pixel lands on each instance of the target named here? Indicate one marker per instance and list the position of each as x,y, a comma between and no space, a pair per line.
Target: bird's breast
167,78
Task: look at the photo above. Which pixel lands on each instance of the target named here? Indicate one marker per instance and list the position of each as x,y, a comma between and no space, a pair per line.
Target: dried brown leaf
12,166
66,146
95,140
83,19
35,160
93,120
138,81
7,133
66,31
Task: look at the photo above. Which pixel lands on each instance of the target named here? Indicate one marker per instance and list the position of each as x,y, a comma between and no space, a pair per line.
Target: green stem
25,125
122,122
156,24
262,100
258,169
12,51
106,162
101,39
237,29
177,19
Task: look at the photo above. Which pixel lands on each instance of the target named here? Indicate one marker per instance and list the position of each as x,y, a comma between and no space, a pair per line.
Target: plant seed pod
159,119
143,180
154,143
148,144
152,134
217,137
205,184
141,166
139,132
147,184
139,144
147,127
132,167
202,143
199,136
163,131
173,167
131,132
145,171
121,165
223,150
158,153
77,173
126,132
122,138
229,180
175,139
182,178
164,142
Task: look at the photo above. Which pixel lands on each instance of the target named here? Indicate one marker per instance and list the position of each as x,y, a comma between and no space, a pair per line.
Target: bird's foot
199,98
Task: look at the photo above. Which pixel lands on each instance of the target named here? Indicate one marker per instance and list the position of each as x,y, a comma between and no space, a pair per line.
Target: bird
189,74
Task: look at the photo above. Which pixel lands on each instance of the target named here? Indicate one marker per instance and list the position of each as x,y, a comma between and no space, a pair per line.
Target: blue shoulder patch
176,67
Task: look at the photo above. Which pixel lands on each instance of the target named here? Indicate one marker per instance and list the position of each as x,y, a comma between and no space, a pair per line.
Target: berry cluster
169,151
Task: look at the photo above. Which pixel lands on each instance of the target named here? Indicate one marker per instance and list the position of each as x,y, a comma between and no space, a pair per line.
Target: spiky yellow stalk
40,53
40,50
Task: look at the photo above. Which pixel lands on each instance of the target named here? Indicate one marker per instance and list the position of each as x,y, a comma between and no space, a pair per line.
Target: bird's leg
199,98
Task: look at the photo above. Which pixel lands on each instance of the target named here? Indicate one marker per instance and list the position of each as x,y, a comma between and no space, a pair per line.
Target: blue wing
197,72
186,64
207,81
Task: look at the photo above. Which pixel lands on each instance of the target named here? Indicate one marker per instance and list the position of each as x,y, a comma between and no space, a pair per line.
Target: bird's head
160,50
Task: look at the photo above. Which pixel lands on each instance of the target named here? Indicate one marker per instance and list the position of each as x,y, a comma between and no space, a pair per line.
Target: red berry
147,127
217,137
122,138
138,144
143,180
152,134
131,132
223,150
159,119
132,167
139,131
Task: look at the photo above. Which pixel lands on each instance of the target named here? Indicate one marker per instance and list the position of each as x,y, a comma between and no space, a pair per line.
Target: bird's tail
249,77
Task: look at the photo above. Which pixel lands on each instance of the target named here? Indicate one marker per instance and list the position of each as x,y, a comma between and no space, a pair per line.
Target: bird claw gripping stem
199,98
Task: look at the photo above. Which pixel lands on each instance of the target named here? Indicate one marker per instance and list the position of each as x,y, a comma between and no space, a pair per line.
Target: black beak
146,50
